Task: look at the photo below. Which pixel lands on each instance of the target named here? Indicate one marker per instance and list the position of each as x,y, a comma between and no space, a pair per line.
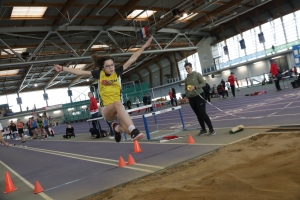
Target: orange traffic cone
130,160
191,140
9,186
137,148
121,162
37,188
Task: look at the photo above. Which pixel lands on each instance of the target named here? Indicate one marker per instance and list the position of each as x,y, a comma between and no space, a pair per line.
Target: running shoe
212,132
202,132
117,134
136,135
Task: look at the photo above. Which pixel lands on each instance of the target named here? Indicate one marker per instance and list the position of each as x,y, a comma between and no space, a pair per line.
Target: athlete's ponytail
99,60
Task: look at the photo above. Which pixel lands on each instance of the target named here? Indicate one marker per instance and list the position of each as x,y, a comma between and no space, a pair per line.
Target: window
289,23
194,60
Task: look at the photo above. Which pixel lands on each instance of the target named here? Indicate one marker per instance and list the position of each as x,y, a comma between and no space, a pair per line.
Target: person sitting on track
110,91
69,132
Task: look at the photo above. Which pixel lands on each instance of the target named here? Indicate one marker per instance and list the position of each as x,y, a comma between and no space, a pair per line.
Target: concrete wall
205,54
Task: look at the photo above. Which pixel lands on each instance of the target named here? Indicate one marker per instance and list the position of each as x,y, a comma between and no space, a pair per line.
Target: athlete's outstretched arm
135,56
59,68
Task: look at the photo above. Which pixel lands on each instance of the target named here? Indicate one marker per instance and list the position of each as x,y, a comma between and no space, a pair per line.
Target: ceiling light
9,72
19,51
99,46
28,11
145,14
87,80
184,15
35,85
188,16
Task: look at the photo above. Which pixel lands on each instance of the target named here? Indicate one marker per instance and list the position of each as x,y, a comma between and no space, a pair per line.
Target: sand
266,166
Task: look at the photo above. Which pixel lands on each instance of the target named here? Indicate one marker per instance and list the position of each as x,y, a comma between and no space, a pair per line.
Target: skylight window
9,72
20,50
145,14
78,66
28,12
99,46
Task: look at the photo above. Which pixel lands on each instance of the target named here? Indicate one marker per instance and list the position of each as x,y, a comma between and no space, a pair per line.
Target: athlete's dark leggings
199,107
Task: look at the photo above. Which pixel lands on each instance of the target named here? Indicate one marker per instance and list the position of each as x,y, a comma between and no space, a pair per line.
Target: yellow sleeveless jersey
110,88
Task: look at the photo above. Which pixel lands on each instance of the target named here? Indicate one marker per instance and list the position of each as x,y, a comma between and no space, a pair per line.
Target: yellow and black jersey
110,88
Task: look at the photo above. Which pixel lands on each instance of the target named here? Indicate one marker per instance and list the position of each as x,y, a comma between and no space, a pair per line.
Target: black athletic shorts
20,131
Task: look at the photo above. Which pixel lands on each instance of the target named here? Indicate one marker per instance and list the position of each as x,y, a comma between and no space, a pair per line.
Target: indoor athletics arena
150,100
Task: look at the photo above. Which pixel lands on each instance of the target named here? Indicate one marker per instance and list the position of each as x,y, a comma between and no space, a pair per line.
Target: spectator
174,96
69,132
171,97
206,90
137,102
13,130
227,85
295,70
128,104
51,131
40,125
93,108
220,90
33,127
223,83
145,101
20,126
1,115
46,124
194,83
149,101
274,71
231,80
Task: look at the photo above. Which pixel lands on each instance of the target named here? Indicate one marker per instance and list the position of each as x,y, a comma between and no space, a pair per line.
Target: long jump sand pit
265,166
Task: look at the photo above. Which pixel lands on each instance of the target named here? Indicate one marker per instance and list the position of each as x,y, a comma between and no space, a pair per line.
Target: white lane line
287,105
25,181
89,158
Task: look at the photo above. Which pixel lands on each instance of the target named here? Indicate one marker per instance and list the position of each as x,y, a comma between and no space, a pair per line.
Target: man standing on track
94,110
274,71
231,80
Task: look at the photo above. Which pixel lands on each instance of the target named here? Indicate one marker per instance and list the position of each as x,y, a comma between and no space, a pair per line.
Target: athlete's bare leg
112,110
2,140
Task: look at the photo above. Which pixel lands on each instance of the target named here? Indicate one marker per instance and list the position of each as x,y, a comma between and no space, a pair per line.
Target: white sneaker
111,137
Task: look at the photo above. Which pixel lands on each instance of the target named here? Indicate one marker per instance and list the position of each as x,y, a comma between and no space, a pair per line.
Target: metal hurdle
145,116
148,133
131,110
